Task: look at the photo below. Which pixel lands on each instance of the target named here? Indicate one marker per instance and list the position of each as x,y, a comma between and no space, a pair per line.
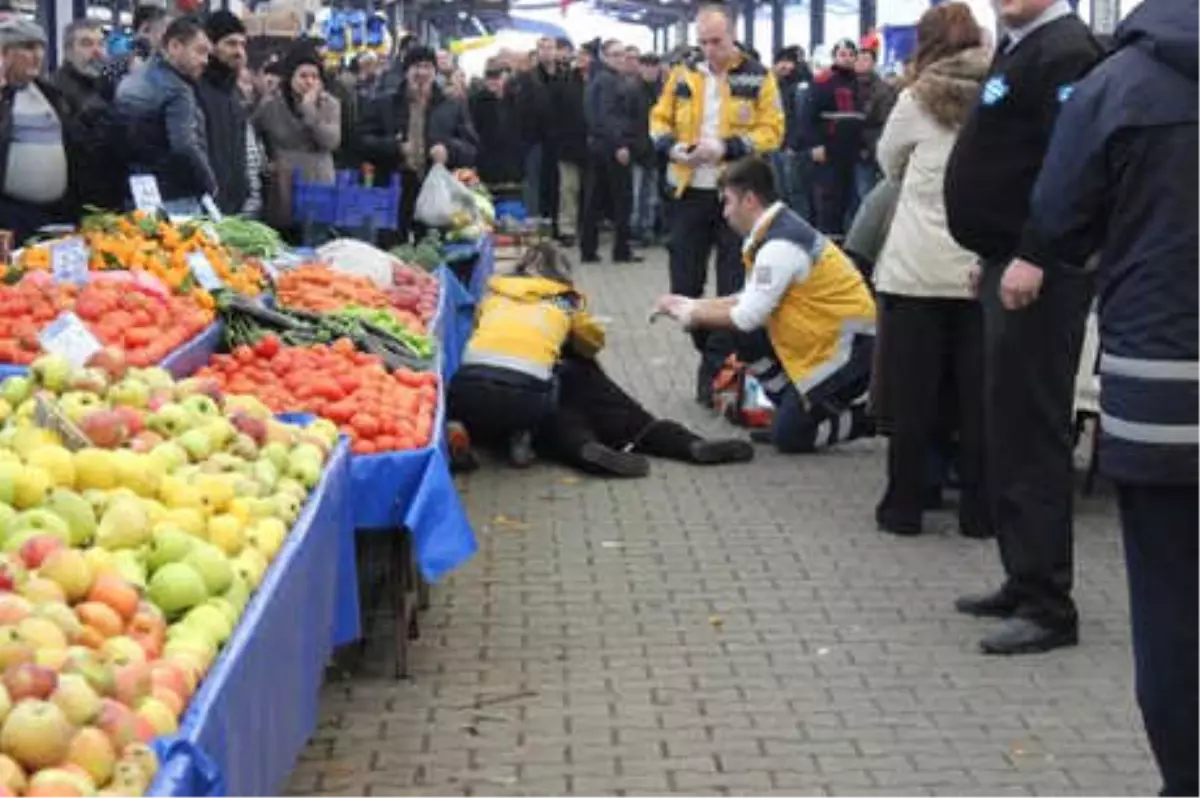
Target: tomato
268,347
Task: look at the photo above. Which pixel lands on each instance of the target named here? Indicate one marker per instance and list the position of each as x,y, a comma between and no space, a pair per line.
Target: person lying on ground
530,383
804,323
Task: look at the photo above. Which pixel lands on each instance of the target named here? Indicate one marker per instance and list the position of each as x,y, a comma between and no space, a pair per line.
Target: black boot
672,440
716,452
596,458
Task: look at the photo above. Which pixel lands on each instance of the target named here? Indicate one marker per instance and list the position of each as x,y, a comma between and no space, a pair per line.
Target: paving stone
728,630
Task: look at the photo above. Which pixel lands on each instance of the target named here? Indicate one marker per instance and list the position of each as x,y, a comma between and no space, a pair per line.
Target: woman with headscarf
301,128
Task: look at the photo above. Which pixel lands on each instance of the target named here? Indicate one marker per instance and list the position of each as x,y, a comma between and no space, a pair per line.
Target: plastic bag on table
441,198
359,258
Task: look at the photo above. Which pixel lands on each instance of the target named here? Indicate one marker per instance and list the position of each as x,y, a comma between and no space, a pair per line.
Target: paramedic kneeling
804,323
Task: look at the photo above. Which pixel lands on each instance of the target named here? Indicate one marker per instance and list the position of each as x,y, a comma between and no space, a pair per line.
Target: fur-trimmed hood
948,89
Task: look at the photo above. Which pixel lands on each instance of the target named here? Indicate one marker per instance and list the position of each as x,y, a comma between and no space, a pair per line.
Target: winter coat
613,104
834,115
447,122
1119,179
496,121
164,129
877,98
99,170
920,258
55,98
569,128
303,139
225,116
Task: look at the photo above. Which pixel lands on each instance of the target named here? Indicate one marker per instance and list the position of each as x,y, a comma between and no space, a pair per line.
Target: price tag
69,261
67,336
210,207
203,271
146,196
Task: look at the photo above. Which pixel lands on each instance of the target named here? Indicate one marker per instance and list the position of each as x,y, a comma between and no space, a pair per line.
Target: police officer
804,324
712,111
1120,179
1031,355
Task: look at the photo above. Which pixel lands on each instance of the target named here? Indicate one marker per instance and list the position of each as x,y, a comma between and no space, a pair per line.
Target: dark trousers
832,411
24,219
697,227
931,347
592,408
1030,360
496,403
1159,526
606,178
833,194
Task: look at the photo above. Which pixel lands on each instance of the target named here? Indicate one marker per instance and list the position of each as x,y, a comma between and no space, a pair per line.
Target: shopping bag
441,197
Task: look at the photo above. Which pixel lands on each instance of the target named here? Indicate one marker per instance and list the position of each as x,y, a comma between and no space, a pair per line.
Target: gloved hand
677,307
709,151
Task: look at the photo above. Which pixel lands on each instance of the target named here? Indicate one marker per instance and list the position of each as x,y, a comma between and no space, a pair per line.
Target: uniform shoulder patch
1065,91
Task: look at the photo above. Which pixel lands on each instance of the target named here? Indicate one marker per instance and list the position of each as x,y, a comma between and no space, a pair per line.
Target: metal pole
748,16
866,16
776,26
816,25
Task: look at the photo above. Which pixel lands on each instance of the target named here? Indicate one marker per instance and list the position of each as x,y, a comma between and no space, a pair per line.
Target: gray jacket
163,128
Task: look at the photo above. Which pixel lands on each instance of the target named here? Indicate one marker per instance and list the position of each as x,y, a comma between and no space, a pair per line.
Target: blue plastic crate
313,203
359,207
513,209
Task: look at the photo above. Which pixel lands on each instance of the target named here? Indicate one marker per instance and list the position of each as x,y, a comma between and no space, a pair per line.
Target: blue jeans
800,189
644,219
866,175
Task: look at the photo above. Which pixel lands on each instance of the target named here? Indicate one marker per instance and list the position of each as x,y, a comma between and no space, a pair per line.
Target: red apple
105,428
14,609
29,680
94,752
38,548
132,683
101,617
134,420
119,722
117,593
110,360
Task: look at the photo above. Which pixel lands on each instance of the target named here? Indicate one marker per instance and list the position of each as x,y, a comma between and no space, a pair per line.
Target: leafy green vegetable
253,238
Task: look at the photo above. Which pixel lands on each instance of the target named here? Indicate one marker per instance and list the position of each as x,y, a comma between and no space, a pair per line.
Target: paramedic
804,324
711,112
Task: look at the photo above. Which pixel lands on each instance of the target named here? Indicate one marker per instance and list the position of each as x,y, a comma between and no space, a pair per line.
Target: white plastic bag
441,197
360,258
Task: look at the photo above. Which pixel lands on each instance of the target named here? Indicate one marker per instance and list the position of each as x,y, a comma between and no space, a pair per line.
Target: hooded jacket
1119,179
920,257
524,323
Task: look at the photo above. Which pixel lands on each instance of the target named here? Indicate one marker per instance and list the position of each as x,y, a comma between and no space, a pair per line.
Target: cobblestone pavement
737,630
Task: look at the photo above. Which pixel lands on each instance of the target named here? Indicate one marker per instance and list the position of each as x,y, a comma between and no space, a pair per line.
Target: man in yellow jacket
529,378
804,324
719,110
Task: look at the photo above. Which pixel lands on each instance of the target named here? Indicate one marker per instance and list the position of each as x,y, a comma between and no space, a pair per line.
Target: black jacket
999,150
569,128
647,96
162,126
612,106
447,122
533,96
225,116
496,121
1119,179
99,169
834,115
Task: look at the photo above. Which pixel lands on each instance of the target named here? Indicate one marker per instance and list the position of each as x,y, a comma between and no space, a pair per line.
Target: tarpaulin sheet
257,707
458,321
485,263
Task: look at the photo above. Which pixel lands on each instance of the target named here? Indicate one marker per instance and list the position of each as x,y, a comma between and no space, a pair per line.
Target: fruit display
143,242
125,565
378,410
372,331
147,324
316,287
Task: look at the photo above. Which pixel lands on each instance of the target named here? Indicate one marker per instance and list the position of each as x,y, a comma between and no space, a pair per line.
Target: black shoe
589,259
894,525
974,528
612,462
1026,636
997,604
705,452
762,435
520,449
629,259
566,240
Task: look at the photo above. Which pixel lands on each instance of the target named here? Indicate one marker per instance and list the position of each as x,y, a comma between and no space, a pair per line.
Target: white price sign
146,196
69,261
203,271
67,336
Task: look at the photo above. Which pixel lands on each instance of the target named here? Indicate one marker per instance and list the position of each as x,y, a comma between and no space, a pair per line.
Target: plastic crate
513,209
313,203
367,207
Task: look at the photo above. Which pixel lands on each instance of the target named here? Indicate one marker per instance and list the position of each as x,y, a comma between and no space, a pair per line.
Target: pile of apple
126,565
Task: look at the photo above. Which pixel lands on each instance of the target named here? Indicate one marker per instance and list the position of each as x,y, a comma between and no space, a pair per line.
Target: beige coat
303,140
919,257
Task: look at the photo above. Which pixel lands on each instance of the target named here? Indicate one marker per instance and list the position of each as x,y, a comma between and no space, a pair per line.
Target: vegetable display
127,314
249,237
143,242
319,288
380,411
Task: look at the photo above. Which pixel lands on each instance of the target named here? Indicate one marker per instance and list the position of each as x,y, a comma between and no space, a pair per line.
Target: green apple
170,420
210,620
238,594
201,406
176,588
276,454
77,405
212,565
124,525
38,521
16,390
130,392
77,511
51,372
197,444
131,566
167,545
170,455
